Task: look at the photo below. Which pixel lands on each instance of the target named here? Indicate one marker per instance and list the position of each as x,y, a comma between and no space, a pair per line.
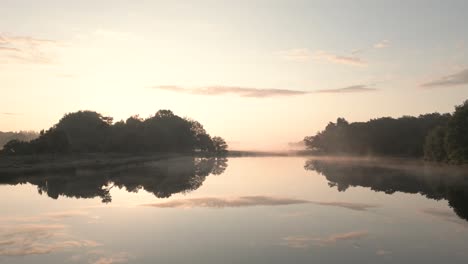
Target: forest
91,132
434,137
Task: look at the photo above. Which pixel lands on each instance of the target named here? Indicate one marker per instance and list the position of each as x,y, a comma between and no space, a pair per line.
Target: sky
260,74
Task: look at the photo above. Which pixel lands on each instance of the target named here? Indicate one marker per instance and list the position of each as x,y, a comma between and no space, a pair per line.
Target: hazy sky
259,73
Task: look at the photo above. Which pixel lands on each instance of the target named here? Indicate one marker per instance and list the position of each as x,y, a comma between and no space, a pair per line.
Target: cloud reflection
445,215
306,241
352,206
36,239
214,202
247,201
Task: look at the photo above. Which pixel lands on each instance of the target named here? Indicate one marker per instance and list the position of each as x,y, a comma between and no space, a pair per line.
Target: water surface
244,210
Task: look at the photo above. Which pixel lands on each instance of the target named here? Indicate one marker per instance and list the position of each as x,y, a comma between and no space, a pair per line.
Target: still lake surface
241,210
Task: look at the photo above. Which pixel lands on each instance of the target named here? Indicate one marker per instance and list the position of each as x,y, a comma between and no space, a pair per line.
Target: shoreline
14,165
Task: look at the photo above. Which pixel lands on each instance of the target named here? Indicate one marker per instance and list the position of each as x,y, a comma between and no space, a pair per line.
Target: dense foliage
450,142
436,137
383,136
87,131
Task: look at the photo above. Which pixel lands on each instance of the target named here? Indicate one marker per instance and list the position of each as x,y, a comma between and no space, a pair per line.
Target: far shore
25,164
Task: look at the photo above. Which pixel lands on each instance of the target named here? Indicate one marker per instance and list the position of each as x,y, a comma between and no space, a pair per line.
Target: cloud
306,241
213,202
298,55
339,59
382,44
10,113
349,89
352,206
240,91
459,78
36,239
25,49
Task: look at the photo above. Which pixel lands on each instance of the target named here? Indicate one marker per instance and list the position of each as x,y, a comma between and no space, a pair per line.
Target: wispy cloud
25,49
257,92
296,54
214,202
456,79
307,241
304,54
240,91
339,59
349,89
10,113
382,44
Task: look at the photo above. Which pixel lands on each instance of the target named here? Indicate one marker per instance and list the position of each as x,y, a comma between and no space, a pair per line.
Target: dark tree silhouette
219,145
457,135
436,137
91,132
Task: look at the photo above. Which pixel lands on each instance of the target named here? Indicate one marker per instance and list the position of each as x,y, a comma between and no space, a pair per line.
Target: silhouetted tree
87,132
457,135
20,136
404,136
220,145
435,148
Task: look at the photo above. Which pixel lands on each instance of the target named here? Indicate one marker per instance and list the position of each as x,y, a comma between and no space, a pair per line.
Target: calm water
244,210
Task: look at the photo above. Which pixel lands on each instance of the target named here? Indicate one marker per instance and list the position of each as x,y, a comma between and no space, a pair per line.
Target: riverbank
26,164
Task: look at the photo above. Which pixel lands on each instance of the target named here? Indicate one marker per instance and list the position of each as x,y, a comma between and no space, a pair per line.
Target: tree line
21,135
435,137
91,132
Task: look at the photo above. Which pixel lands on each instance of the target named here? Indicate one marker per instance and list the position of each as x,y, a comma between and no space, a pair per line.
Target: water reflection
162,178
434,182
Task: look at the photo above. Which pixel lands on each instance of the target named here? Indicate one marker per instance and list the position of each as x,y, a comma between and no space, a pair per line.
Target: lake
240,210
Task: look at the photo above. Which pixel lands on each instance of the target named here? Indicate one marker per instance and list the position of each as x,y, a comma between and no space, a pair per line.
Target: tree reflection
434,182
162,178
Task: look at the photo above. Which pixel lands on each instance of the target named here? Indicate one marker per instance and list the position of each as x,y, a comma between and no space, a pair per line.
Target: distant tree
457,135
220,145
88,131
20,136
404,136
16,147
435,148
